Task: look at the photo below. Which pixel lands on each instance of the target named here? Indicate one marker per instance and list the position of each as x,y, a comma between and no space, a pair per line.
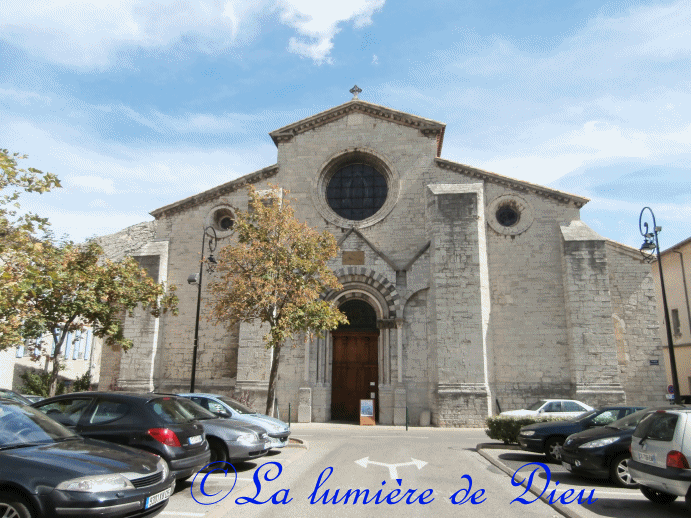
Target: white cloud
318,22
92,184
81,33
23,97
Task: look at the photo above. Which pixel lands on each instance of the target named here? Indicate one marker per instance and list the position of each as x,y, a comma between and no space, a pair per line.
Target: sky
138,104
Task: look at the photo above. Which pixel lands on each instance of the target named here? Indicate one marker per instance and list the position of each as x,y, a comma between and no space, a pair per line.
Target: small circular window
507,216
223,220
356,191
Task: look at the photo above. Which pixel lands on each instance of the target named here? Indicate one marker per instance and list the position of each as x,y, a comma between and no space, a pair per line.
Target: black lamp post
197,279
651,244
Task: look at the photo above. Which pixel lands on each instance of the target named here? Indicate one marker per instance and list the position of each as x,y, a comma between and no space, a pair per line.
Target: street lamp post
651,244
197,279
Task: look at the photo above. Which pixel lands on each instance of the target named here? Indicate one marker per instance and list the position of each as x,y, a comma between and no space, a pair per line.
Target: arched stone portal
355,362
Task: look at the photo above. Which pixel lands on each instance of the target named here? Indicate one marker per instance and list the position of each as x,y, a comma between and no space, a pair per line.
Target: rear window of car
170,411
240,409
658,426
572,406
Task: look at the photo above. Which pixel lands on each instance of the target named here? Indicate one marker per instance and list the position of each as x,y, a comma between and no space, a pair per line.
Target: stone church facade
467,291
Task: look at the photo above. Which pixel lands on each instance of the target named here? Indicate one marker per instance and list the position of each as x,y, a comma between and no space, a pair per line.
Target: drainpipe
686,290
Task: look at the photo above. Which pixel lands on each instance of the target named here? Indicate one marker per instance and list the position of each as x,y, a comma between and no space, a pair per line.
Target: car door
107,420
66,411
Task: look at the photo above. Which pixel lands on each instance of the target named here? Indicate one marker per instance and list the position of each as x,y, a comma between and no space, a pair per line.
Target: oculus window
356,191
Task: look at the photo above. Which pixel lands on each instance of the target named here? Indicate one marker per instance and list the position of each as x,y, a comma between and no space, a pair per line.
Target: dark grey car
229,440
47,471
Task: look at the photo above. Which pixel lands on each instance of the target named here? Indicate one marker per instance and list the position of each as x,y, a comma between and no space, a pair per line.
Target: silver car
225,407
229,440
660,453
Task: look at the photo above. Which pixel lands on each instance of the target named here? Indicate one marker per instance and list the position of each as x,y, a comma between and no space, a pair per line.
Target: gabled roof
215,192
519,185
427,127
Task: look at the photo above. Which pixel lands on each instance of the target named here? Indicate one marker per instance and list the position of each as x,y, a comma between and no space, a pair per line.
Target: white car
660,449
551,408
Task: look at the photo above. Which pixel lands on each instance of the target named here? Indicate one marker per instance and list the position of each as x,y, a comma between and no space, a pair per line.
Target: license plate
195,439
567,466
646,457
158,498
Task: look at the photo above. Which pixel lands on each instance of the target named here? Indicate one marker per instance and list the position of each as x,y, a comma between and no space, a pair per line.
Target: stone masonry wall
634,316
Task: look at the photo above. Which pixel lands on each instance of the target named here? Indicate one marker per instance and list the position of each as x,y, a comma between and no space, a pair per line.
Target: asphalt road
419,471
434,467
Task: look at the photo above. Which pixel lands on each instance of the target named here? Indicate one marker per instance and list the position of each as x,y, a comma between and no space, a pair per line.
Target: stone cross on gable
355,90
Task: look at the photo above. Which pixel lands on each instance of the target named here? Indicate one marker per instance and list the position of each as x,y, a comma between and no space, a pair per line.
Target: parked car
551,408
151,422
548,438
229,440
46,471
604,452
11,394
660,449
225,407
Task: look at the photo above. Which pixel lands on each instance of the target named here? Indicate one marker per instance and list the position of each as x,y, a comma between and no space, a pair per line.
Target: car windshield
21,425
630,421
537,405
584,417
195,410
14,396
240,409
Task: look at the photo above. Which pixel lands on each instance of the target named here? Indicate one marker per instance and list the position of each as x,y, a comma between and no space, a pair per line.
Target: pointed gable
427,127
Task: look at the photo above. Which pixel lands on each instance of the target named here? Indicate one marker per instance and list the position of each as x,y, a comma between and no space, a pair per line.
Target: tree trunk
53,387
272,380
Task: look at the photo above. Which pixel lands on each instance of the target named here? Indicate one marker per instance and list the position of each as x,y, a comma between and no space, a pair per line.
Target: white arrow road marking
392,467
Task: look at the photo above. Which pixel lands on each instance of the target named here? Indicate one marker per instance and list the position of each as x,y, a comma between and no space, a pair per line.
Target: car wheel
553,449
659,497
13,506
218,452
619,471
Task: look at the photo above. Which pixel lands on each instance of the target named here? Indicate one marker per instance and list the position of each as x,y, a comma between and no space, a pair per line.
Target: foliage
82,383
507,428
37,383
274,273
73,287
20,240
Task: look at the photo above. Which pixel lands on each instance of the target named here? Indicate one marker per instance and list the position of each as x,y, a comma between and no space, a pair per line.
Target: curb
560,508
297,443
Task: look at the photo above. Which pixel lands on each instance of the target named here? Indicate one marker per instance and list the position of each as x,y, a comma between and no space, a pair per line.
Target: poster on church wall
366,412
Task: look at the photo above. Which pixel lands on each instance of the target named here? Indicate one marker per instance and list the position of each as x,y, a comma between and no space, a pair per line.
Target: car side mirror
541,411
223,414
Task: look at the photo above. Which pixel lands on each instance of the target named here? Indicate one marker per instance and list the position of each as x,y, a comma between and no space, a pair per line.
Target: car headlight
163,466
248,438
600,442
96,483
527,433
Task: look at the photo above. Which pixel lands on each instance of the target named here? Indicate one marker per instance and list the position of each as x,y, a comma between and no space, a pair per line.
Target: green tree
73,287
274,272
21,236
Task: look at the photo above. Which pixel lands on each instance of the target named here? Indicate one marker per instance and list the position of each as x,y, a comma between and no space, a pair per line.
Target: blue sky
135,104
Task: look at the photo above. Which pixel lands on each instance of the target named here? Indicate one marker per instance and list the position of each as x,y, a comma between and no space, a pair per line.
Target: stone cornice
427,127
214,193
519,185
